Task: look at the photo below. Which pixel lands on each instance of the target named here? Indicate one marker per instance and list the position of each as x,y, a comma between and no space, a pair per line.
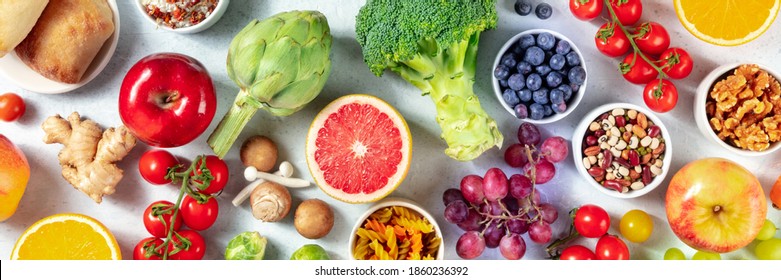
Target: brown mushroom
314,218
270,202
260,152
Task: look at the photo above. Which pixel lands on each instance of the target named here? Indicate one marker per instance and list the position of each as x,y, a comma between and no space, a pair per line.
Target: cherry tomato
192,248
610,247
636,226
591,221
676,63
199,216
145,250
219,172
639,72
628,12
611,41
651,38
157,218
660,96
586,9
11,107
154,165
577,252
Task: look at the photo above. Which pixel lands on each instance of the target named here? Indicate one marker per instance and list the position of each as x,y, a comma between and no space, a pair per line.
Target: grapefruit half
358,149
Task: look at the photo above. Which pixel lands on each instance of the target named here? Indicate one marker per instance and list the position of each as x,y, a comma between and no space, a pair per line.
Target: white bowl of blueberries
539,76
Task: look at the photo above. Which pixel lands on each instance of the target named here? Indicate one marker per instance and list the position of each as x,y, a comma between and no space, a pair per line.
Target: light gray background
431,171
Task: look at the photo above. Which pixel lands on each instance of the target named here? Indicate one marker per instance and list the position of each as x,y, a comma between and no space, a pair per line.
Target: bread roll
17,18
66,38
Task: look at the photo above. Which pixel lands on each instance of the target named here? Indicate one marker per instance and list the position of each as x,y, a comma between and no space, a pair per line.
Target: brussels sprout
310,252
246,246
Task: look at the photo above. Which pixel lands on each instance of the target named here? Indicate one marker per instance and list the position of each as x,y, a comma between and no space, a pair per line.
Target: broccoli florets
433,45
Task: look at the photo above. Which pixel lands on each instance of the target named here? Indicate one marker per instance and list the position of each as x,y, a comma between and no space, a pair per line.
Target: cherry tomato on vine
676,63
586,9
192,248
660,96
199,216
628,12
591,221
636,226
154,165
651,38
157,218
610,247
145,249
636,70
219,171
611,41
11,107
577,252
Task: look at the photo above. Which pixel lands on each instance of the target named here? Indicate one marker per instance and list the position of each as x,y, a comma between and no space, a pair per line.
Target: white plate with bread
56,46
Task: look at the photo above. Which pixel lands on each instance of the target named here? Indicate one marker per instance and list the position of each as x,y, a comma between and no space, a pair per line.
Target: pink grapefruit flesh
358,149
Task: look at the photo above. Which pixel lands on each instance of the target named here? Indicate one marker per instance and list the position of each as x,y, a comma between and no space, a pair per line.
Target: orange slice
726,22
66,237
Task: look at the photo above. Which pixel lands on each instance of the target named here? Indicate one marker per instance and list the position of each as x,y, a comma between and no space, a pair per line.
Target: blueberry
548,110
537,111
574,87
557,61
521,111
534,55
524,67
526,41
553,79
542,70
501,72
566,90
509,60
563,47
543,11
541,96
523,7
546,41
516,81
518,50
556,96
534,81
577,75
503,83
525,95
573,59
559,108
510,97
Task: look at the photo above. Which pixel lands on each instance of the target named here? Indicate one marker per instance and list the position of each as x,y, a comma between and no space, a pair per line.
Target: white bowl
395,201
577,149
701,118
13,69
215,16
571,104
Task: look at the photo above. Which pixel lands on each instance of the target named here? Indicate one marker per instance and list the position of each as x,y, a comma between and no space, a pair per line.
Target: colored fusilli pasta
396,233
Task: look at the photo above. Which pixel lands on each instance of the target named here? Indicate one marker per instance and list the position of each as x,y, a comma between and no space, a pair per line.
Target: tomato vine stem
635,48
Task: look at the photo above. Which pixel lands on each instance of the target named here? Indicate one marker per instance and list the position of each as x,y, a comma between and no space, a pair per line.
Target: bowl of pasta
396,229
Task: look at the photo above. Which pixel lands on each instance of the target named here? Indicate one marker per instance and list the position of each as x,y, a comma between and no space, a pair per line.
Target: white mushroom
285,170
252,174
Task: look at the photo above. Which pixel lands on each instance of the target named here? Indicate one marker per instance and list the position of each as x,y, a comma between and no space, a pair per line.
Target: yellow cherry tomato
636,226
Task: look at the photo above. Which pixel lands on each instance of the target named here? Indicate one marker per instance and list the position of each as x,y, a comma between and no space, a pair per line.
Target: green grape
674,254
767,231
769,249
700,255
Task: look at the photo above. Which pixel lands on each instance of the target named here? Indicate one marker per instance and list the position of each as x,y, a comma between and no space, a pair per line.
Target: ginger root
89,157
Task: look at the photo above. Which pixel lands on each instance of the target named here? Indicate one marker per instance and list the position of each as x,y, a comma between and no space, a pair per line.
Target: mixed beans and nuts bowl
622,149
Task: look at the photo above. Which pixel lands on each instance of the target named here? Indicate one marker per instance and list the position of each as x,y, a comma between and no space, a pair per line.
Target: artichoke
280,64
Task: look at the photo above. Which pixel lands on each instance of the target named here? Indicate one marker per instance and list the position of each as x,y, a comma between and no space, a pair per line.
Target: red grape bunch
495,211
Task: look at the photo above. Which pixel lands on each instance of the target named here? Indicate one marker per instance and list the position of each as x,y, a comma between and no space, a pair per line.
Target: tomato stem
635,48
201,177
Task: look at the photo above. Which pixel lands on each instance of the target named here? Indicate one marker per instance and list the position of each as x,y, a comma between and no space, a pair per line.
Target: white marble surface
431,171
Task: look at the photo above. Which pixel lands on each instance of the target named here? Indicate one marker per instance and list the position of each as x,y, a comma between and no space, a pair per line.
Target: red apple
715,205
167,99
